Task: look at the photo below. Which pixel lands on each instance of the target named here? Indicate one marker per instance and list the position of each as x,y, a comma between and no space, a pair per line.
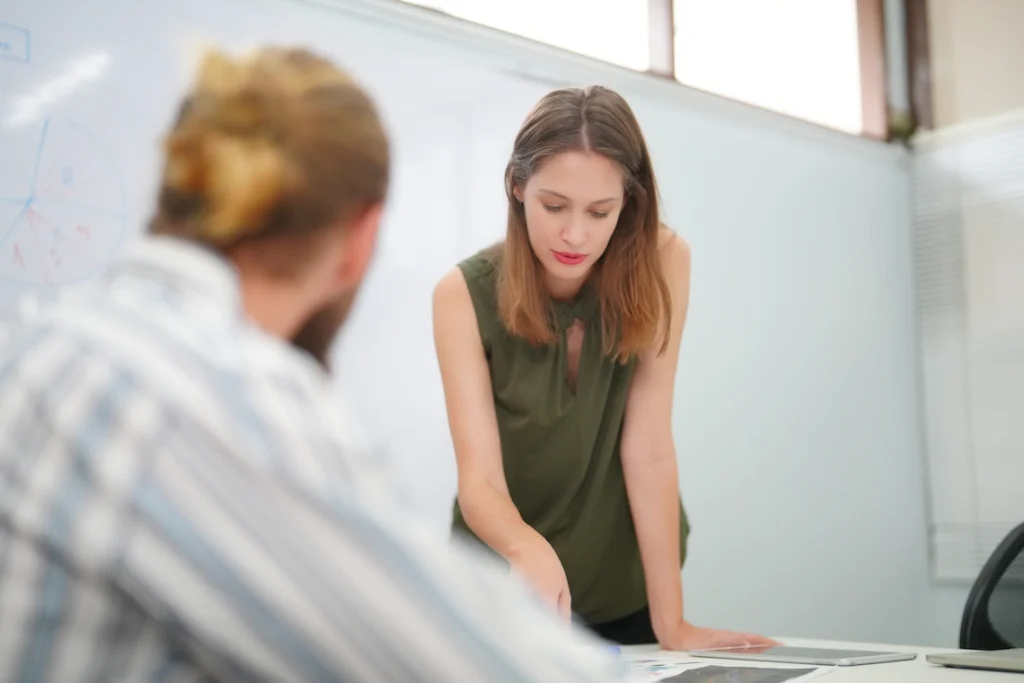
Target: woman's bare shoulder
674,251
452,291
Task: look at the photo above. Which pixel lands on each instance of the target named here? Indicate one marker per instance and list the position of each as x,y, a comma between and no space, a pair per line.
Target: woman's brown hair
635,301
274,147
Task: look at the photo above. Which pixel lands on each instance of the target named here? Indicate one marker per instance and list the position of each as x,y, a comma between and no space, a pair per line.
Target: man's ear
360,240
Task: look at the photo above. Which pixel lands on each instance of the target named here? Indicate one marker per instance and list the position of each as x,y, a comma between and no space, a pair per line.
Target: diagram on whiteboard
62,210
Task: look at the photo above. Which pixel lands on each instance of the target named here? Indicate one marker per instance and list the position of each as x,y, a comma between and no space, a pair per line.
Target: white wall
949,610
797,417
977,58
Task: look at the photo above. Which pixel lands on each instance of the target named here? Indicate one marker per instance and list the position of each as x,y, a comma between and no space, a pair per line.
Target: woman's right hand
483,492
536,561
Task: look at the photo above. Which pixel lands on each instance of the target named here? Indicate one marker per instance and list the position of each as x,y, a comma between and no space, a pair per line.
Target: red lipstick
569,259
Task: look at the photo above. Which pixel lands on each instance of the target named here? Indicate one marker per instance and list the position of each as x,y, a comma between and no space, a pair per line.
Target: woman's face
572,205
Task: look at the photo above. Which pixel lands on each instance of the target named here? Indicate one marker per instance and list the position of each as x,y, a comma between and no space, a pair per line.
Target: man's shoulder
232,372
243,390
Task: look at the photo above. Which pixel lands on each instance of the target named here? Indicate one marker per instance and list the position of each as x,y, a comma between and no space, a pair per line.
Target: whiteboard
85,100
83,111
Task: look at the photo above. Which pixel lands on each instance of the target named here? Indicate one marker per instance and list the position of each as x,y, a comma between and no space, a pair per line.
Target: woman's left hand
685,636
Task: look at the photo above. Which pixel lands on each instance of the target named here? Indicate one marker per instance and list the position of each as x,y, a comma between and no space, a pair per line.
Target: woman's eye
599,214
552,209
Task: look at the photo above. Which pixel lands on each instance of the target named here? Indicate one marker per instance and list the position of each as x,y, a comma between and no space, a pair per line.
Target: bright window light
615,32
797,57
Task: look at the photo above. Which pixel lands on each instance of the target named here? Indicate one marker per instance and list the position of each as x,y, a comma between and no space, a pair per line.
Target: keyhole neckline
584,307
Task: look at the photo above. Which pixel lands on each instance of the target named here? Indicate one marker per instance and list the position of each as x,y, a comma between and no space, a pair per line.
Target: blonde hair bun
279,142
226,153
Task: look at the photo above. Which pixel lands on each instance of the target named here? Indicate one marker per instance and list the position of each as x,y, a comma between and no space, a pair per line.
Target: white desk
916,671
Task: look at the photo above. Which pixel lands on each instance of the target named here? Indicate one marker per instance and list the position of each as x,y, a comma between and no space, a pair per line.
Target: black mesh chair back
994,614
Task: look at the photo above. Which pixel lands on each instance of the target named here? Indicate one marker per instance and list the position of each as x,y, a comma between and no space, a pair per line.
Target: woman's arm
482,489
649,466
648,451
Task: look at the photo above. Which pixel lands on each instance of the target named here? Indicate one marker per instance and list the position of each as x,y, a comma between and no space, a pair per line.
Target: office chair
994,614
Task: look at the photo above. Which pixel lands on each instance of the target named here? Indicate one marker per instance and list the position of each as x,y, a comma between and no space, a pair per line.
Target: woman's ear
517,192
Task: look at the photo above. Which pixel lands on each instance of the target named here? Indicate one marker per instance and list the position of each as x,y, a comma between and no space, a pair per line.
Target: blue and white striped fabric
182,499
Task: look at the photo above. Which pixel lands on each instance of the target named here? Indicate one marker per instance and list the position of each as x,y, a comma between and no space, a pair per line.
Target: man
180,497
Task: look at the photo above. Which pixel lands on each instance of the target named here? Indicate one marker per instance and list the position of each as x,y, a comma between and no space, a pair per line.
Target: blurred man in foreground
180,497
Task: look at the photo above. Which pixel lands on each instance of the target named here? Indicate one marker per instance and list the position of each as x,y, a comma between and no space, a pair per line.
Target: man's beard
316,336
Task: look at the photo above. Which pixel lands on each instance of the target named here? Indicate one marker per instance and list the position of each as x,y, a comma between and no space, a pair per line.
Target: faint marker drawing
67,218
15,43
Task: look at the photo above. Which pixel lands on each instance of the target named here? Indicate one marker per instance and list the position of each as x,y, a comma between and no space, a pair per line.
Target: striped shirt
182,499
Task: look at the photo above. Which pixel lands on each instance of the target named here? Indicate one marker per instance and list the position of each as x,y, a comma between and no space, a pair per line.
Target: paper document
668,671
659,669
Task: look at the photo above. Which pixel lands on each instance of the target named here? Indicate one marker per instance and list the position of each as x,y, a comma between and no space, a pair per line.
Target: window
797,57
617,32
818,60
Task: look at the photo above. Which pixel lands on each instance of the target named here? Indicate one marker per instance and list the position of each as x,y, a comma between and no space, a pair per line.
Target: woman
558,352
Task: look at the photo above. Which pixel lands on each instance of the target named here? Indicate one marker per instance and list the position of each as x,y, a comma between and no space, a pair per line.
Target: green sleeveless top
560,449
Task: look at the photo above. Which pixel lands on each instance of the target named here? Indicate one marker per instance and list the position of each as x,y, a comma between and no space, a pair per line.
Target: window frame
876,115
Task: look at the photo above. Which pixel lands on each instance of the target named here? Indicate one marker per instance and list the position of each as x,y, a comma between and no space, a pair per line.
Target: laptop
996,660
814,656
